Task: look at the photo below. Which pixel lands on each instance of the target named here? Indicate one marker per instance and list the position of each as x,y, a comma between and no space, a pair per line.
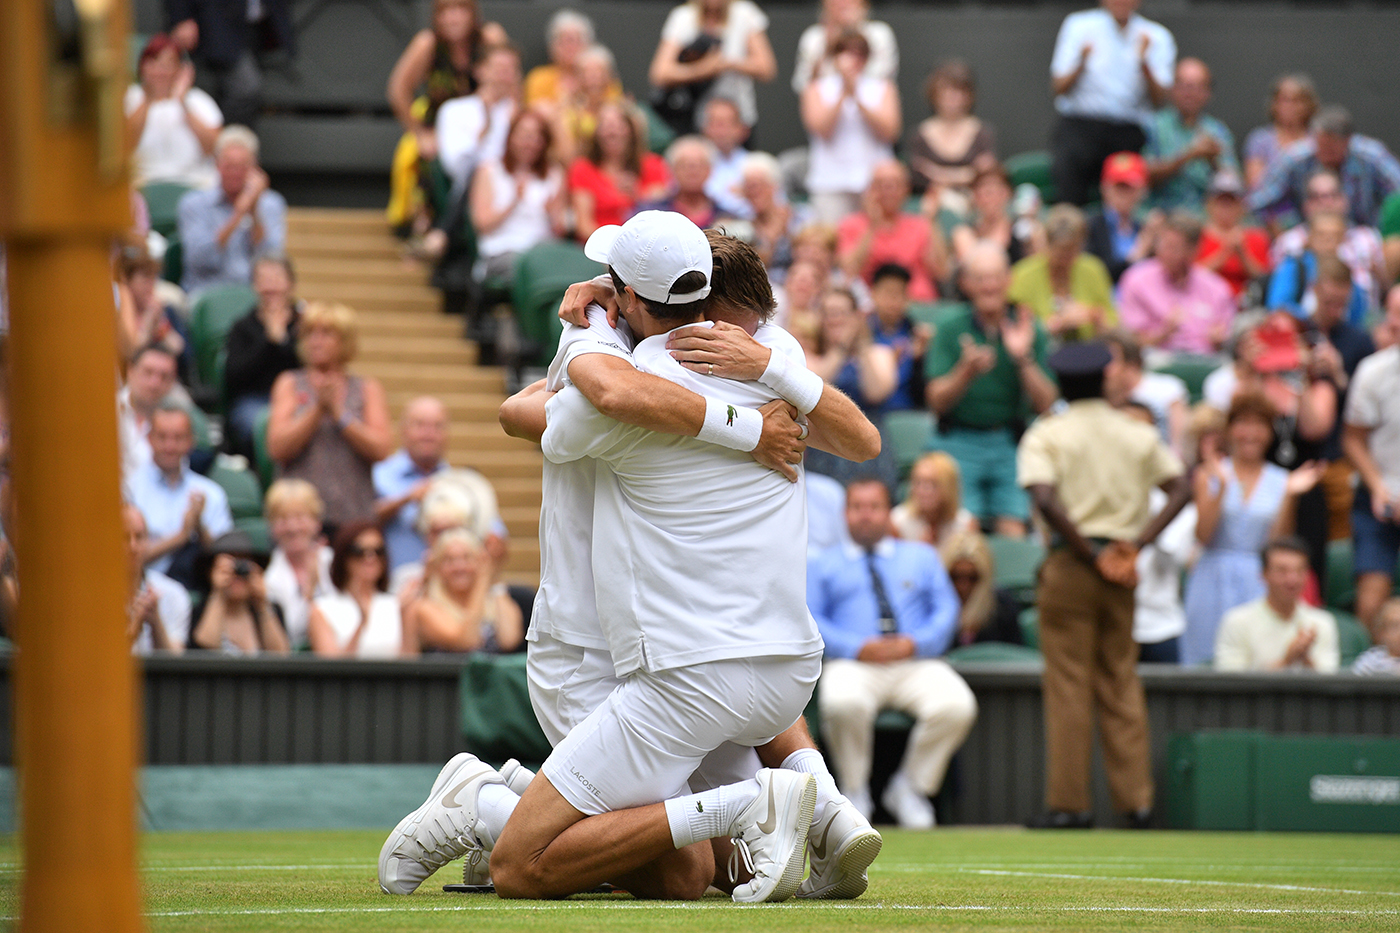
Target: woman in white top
932,512
171,124
300,570
815,57
463,607
852,121
743,55
360,619
518,201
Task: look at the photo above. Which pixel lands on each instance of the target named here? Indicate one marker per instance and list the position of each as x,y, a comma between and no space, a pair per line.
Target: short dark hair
1331,269
344,540
738,278
851,40
691,281
891,270
1128,347
1288,544
154,347
1251,405
869,479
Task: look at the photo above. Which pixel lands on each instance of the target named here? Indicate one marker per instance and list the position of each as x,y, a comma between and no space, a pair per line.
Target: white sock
810,761
494,805
708,814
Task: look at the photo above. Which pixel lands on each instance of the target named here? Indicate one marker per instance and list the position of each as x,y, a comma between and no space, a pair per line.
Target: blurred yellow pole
76,730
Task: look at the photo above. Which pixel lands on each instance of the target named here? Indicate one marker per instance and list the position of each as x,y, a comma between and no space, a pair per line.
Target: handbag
676,105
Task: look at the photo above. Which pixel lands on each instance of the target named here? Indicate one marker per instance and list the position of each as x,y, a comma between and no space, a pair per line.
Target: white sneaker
443,829
911,808
517,776
771,835
841,844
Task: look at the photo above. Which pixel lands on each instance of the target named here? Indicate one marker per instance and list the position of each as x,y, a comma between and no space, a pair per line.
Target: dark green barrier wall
308,711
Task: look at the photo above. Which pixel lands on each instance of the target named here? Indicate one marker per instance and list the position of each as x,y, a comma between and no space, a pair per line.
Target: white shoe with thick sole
841,845
442,830
771,836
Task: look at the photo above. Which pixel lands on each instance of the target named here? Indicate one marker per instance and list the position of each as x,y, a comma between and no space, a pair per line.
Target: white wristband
731,426
796,384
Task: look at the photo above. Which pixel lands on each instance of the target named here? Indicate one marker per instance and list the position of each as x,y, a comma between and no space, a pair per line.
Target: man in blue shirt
401,480
1368,170
224,228
183,510
887,612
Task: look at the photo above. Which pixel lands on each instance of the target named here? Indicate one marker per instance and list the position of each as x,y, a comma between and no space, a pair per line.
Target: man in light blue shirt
183,510
401,479
223,229
887,612
1111,68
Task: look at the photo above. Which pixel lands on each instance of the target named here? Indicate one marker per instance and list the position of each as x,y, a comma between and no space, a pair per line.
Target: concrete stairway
410,346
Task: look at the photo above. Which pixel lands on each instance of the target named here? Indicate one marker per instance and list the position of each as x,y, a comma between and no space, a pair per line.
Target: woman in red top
615,173
1236,253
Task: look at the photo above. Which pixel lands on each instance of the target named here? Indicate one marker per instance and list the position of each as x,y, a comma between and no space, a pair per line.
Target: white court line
1184,881
942,908
1182,863
498,906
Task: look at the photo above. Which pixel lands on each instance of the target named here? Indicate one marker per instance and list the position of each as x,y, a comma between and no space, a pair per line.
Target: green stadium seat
257,530
173,266
1029,622
908,433
199,423
659,134
267,468
163,203
541,277
1341,577
1193,371
242,488
1016,563
1352,637
993,652
213,317
1032,168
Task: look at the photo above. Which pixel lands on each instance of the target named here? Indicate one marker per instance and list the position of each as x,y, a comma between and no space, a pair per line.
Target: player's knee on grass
723,850
683,875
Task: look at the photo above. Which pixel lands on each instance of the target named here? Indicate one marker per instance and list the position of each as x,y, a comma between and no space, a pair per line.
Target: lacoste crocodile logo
730,421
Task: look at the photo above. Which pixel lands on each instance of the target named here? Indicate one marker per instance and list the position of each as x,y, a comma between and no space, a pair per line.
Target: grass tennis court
951,879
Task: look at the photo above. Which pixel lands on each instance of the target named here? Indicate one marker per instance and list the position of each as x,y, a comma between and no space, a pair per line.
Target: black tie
888,626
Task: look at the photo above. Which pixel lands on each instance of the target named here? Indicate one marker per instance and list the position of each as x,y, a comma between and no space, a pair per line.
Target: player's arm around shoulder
575,428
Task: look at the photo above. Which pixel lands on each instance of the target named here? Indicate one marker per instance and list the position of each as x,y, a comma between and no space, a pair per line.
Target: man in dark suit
226,37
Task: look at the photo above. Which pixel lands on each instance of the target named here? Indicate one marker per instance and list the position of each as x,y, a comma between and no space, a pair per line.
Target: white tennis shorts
643,743
567,682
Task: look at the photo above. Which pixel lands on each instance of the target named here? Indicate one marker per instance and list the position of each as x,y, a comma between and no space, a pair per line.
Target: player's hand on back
782,443
722,350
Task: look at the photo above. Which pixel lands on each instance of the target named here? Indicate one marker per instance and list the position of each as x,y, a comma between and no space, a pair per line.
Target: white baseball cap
651,251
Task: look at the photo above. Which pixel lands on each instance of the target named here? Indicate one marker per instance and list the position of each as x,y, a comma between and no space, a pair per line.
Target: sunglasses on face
374,550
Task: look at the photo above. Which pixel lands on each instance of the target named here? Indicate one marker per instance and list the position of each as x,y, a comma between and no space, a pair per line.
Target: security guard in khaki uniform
1089,470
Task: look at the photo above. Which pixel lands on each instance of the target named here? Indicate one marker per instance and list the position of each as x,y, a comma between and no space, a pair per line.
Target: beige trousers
852,693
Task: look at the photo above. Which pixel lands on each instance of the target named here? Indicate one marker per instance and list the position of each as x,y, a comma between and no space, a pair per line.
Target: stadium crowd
1245,299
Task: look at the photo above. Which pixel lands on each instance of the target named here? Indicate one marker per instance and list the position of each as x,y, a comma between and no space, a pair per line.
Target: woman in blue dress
1238,500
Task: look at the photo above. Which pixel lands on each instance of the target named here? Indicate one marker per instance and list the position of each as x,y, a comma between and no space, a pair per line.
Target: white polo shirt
699,553
1374,402
1112,86
565,607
